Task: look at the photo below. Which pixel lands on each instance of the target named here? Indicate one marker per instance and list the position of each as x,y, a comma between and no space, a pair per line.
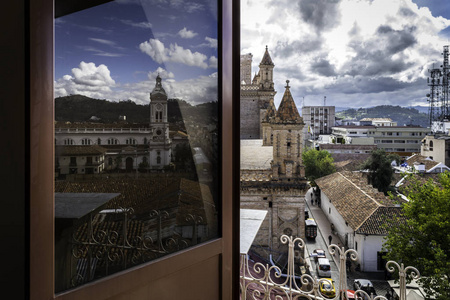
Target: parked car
326,288
323,267
318,253
365,285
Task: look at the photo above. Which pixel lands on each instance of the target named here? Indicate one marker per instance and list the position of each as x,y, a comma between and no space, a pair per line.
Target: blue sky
357,53
115,51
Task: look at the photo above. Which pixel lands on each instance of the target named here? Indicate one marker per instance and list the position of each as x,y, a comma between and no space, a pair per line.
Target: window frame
169,273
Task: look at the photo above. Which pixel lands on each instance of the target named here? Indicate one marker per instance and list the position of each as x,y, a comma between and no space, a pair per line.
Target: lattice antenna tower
439,83
445,112
434,82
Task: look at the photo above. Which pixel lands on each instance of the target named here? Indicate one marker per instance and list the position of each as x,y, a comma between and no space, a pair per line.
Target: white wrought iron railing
265,281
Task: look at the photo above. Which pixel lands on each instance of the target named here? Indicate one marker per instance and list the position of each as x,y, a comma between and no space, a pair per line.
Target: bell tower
287,126
160,144
266,72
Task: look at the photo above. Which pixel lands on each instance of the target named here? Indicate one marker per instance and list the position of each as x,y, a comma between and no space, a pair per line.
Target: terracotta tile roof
376,222
271,111
287,111
267,60
418,159
354,199
79,150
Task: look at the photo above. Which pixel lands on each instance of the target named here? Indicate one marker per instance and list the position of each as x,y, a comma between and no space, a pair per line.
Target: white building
358,212
128,146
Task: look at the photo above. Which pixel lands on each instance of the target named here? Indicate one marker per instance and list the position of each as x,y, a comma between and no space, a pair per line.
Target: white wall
368,247
339,222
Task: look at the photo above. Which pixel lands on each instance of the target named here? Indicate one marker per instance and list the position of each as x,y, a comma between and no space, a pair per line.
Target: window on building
146,224
86,142
69,142
431,145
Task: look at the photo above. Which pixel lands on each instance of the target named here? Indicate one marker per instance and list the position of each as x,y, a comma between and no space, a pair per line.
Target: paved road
321,243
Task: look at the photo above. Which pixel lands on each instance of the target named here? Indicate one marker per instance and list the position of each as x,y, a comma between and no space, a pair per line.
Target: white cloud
87,79
213,62
211,42
374,46
143,25
186,34
174,53
164,74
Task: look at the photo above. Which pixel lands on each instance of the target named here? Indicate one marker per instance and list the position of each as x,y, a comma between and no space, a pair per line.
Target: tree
318,163
422,240
380,170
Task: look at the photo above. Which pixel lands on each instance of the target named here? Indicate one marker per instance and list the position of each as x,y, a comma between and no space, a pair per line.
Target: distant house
437,147
421,164
358,212
344,152
377,122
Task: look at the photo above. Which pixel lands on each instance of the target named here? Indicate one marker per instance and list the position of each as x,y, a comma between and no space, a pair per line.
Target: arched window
431,145
145,141
86,142
99,141
68,142
131,141
113,141
158,160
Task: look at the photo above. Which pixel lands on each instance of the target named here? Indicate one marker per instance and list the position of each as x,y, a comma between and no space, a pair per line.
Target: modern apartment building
318,119
403,140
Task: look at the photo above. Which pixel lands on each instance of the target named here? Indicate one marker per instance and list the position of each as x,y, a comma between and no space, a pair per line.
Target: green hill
78,108
401,115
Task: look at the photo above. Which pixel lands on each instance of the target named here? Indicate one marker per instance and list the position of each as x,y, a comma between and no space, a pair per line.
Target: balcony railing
267,281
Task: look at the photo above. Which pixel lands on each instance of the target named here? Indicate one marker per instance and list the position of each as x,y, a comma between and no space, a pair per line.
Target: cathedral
272,172
91,148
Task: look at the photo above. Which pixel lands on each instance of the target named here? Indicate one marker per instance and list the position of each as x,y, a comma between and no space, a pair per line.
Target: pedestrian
329,239
312,201
348,263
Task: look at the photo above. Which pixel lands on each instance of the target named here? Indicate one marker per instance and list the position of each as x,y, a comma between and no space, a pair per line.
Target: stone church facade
272,171
122,145
255,95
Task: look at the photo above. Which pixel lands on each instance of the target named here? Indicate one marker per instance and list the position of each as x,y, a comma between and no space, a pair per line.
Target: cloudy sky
116,50
357,53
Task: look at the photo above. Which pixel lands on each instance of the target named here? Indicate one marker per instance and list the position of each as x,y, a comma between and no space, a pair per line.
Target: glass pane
136,135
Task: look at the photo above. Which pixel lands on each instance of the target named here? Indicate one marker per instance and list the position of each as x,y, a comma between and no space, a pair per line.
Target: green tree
422,240
380,169
318,163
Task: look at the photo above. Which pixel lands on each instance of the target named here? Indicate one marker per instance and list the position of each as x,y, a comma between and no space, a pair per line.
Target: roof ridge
373,199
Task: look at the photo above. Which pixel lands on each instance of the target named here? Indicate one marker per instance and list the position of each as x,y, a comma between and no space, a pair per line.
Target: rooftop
255,156
350,190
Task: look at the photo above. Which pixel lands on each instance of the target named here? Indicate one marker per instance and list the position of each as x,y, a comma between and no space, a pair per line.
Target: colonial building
359,213
255,95
127,146
273,177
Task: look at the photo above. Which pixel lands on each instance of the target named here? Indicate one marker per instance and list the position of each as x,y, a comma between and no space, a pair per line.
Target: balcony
259,281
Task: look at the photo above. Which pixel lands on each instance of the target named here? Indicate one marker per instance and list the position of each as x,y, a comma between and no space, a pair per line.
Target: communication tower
438,98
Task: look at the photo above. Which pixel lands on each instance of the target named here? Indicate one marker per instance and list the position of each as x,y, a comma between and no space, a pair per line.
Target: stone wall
250,118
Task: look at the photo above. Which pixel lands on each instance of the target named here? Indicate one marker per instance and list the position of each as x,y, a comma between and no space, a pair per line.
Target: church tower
266,72
287,126
160,144
266,126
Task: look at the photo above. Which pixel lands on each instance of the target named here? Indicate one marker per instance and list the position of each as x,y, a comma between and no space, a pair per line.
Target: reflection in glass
136,135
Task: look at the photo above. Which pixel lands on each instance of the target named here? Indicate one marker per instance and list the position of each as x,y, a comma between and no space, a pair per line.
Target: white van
323,267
